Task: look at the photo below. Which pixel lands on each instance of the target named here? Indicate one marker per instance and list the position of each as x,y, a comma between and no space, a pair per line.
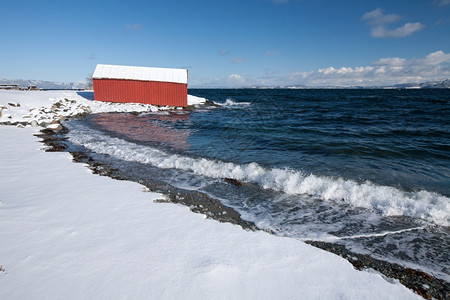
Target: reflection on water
149,128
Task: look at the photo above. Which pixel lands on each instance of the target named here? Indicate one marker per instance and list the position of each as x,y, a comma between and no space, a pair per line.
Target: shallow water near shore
368,169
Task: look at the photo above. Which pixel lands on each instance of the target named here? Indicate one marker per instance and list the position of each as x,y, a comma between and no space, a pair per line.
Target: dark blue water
369,169
391,137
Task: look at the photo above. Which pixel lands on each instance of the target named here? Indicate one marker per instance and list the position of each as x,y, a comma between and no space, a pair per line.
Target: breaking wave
383,200
230,103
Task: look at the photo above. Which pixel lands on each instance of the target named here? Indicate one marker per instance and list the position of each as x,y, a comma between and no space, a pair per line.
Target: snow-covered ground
69,234
41,108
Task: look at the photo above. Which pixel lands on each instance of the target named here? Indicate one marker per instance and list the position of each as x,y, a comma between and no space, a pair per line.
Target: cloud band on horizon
382,72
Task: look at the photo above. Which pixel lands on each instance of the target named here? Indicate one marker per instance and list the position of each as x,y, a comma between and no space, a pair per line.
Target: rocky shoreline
429,287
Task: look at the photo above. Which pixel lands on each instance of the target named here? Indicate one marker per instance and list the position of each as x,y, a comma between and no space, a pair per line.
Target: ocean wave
384,200
230,103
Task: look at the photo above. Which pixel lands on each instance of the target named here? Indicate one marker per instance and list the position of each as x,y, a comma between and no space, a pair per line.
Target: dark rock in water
211,103
189,108
206,103
234,182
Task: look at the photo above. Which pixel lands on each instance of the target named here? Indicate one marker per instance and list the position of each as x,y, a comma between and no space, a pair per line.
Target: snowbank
69,234
194,100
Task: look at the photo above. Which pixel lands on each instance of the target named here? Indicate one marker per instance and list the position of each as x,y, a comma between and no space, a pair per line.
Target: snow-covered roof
140,73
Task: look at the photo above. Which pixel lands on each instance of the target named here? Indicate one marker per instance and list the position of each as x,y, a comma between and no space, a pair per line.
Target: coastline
420,282
70,234
77,234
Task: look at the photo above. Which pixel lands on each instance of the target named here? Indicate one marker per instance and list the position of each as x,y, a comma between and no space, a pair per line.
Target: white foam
230,103
369,235
384,200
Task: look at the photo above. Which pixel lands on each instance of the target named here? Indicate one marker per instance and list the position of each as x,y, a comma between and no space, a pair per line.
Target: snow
69,234
140,73
44,107
194,100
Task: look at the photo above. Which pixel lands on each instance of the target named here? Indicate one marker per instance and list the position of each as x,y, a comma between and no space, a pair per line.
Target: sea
365,168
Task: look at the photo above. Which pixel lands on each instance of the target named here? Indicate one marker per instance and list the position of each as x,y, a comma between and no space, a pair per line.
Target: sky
234,43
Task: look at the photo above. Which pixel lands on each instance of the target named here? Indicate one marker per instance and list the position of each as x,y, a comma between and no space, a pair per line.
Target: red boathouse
157,86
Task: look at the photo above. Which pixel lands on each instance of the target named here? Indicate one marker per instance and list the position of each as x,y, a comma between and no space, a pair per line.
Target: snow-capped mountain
41,84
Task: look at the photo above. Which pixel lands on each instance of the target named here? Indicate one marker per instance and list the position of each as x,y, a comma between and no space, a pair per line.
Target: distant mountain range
41,84
424,85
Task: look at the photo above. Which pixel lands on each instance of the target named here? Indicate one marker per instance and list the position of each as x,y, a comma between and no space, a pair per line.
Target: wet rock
53,139
14,104
20,126
211,103
234,182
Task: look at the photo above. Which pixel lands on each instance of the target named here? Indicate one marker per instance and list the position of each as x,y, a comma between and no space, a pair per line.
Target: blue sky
231,43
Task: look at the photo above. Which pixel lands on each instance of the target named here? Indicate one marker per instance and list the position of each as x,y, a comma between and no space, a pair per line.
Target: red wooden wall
147,92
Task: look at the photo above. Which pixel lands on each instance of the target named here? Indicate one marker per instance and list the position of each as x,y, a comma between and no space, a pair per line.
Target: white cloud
224,52
379,21
235,79
405,30
393,61
377,17
385,71
437,57
444,2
